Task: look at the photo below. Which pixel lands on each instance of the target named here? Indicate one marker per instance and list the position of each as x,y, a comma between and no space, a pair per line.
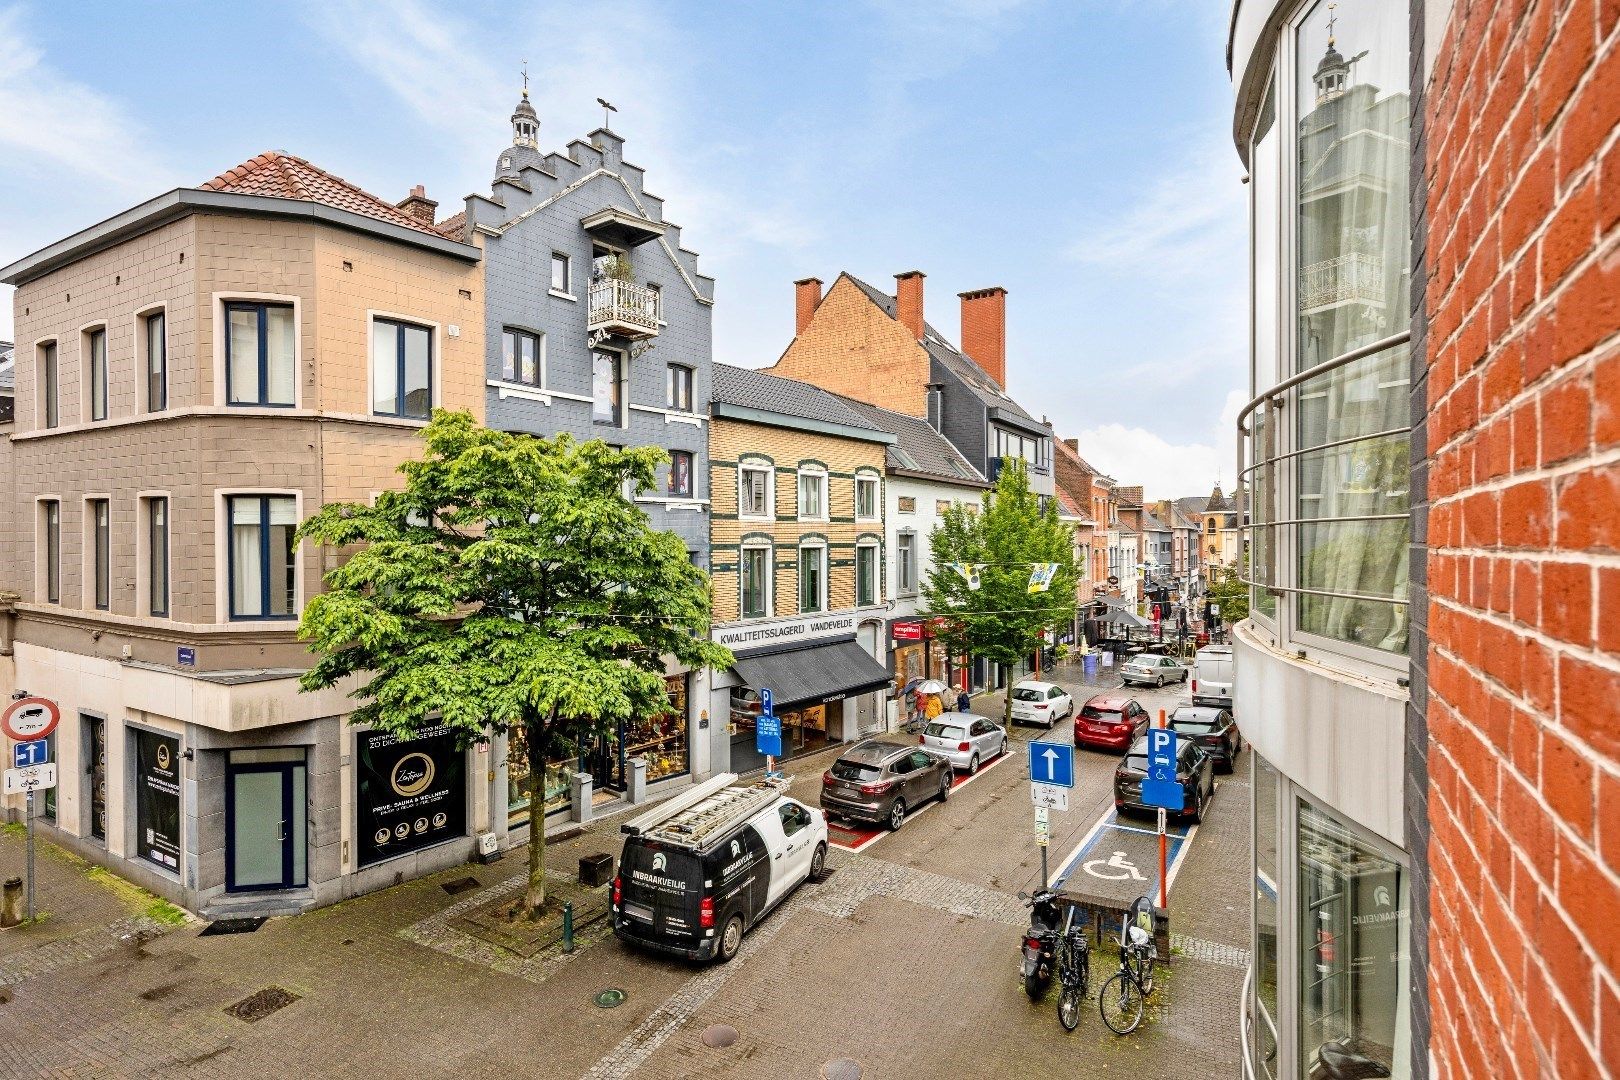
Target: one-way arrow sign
1051,764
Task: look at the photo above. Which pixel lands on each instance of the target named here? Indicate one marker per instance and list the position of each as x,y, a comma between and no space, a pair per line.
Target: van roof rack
705,813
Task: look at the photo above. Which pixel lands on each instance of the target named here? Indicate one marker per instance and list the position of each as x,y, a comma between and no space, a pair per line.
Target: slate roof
948,356
1193,508
278,175
1152,522
756,390
919,448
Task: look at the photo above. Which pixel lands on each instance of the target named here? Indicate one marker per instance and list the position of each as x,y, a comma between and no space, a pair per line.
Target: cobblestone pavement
903,960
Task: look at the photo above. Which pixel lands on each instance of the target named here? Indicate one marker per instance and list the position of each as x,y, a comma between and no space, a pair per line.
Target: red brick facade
984,330
1523,302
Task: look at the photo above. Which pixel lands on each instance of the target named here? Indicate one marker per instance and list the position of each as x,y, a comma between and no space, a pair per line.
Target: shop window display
558,781
661,739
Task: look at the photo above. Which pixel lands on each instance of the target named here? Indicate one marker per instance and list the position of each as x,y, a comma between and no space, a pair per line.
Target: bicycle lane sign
1119,860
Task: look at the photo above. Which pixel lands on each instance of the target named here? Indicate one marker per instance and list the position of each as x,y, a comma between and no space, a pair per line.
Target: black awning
817,674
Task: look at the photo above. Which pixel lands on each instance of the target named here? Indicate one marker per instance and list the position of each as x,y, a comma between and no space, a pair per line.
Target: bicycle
1123,996
1073,970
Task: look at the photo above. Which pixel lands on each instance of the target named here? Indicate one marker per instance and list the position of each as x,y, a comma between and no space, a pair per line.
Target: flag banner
969,572
1040,577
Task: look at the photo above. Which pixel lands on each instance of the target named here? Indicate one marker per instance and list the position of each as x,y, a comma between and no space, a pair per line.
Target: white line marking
884,831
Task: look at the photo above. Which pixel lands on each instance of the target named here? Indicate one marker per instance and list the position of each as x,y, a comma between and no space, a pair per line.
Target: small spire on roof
525,80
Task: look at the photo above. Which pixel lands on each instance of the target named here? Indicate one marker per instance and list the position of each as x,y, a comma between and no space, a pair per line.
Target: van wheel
818,861
897,815
730,939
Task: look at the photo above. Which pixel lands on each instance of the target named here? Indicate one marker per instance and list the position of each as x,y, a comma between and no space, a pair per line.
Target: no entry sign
30,718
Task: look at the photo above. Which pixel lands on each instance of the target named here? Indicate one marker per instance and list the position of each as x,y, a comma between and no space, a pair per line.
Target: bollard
568,926
11,903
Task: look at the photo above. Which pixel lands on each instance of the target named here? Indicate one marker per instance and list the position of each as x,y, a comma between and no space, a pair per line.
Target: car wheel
818,861
730,939
1197,814
945,781
1003,747
973,765
897,815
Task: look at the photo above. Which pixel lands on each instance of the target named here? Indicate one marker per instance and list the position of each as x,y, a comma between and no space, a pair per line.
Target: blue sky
1076,152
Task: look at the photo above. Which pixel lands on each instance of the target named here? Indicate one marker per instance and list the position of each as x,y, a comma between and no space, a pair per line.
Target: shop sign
908,631
157,798
411,793
801,628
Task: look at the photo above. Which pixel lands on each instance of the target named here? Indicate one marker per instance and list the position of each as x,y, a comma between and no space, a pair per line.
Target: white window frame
819,547
901,545
143,555
567,290
222,558
770,490
770,578
866,477
819,474
222,391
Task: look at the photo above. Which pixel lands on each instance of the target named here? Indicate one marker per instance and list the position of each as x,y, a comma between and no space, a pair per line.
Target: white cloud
1166,470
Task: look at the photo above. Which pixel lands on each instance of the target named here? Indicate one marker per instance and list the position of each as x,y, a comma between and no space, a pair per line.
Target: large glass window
95,347
401,370
1352,911
259,354
812,578
101,552
157,362
605,390
1353,246
522,360
754,572
260,556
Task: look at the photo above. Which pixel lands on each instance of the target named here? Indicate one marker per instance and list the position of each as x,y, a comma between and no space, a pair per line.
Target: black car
1194,769
1212,729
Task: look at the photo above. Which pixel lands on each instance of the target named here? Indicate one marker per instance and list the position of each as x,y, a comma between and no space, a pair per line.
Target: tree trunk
534,899
1006,714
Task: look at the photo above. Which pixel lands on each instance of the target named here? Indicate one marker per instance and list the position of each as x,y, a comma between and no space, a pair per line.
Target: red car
1110,721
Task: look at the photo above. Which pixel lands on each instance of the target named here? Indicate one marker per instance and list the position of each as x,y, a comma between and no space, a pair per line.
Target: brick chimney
418,205
1074,444
984,330
806,298
908,295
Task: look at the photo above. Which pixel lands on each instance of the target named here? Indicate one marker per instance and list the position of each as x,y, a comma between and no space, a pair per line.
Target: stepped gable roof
948,356
772,393
279,175
918,447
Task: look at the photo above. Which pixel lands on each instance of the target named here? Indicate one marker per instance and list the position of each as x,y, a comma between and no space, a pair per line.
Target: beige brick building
796,479
193,378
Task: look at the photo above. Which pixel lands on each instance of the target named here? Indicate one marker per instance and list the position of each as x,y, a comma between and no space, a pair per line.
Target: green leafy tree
511,587
1001,620
1230,595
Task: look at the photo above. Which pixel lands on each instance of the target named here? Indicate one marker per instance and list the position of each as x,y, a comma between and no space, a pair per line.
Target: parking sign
1161,788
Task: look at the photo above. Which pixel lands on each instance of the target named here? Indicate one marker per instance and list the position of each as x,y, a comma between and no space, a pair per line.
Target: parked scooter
1040,941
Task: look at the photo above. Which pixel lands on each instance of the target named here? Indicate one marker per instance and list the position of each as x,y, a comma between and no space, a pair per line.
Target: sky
1076,152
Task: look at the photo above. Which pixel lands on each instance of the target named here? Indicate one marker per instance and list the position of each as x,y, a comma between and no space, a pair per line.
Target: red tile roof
281,176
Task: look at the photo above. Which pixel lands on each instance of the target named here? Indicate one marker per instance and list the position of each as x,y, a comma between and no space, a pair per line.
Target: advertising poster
157,798
410,794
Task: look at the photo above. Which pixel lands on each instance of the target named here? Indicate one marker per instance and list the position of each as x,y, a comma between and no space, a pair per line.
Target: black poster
157,798
410,794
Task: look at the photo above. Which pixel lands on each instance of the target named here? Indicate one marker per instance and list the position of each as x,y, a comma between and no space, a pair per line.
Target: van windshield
855,771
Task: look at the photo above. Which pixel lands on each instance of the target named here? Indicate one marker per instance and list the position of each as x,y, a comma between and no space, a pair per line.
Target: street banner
157,798
410,794
1041,575
969,572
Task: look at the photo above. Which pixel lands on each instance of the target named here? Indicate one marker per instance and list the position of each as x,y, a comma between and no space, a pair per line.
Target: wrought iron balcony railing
624,309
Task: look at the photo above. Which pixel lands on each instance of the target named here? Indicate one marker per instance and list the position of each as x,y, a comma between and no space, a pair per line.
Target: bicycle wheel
1069,1008
1120,1002
1141,962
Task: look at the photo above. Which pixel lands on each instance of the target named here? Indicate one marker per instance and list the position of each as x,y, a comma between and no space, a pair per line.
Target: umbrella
931,686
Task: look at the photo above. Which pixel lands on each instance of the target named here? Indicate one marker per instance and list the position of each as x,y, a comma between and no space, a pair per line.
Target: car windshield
855,770
1198,722
1091,712
944,731
1025,693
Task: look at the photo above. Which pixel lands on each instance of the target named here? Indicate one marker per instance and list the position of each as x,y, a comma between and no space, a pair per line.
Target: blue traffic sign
1160,788
1051,763
768,735
24,754
767,703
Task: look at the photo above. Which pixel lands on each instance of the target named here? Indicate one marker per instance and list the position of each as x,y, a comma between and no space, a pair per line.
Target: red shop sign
908,631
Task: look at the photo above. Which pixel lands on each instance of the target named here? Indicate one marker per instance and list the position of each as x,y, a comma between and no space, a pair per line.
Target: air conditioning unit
489,847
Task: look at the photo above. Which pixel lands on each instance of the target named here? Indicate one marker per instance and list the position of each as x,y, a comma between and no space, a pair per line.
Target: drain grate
258,1005
460,885
610,999
841,1069
717,1036
232,926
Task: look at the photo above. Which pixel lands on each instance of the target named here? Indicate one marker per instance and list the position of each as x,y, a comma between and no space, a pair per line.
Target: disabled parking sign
1161,788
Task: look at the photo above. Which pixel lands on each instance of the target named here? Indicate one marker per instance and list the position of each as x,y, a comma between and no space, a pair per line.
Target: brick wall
1523,435
852,347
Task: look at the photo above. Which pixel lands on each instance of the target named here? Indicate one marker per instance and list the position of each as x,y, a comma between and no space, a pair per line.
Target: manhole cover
259,1005
841,1069
718,1035
232,926
460,885
610,999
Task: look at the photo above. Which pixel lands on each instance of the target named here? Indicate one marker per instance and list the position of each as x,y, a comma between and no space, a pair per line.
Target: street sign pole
28,814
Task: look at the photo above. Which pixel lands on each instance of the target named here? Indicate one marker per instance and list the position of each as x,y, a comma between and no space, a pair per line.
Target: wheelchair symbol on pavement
1116,868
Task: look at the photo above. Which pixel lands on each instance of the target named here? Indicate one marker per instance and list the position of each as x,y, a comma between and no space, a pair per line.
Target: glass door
266,843
96,736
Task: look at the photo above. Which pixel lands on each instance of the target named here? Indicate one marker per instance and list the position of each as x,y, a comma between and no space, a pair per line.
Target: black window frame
618,402
562,258
400,394
676,457
53,551
100,511
159,400
538,341
51,387
262,310
264,561
671,382
157,569
96,365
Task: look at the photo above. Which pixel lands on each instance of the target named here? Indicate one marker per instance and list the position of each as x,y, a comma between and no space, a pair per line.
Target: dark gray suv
881,781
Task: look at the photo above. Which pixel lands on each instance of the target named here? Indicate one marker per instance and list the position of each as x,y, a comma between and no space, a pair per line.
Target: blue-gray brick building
599,325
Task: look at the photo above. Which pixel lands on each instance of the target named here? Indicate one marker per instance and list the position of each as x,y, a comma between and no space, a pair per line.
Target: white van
1212,676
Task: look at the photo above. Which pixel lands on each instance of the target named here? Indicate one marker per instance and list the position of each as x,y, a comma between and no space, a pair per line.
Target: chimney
1074,444
908,295
418,205
984,330
806,298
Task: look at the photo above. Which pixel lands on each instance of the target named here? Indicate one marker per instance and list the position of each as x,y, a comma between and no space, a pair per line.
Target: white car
1151,669
965,740
1041,703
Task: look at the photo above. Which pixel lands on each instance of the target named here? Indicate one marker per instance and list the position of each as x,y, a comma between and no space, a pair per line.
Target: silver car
965,740
1151,669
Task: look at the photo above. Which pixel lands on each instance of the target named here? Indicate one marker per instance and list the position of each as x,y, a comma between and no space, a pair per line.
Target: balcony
623,309
1348,279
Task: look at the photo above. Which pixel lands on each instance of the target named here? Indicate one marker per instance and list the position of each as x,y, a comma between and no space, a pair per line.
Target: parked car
881,781
1212,729
1151,669
1212,676
1111,721
699,870
1195,770
1041,703
965,740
